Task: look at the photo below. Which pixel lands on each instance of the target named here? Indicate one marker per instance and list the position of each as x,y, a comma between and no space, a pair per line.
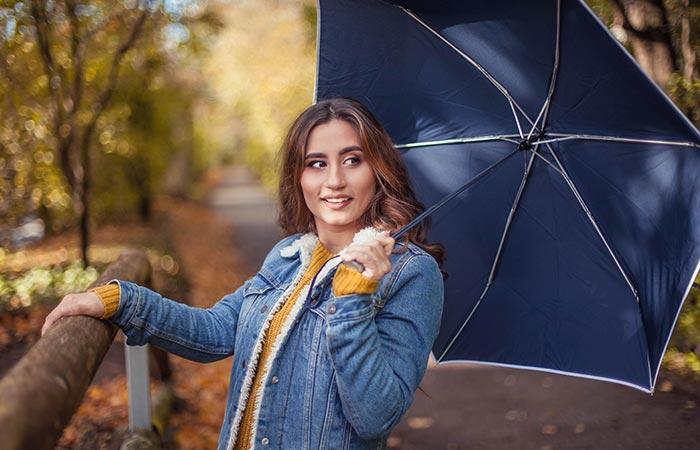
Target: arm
199,334
380,359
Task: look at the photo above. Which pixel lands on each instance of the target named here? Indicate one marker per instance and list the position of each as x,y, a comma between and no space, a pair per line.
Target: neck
335,241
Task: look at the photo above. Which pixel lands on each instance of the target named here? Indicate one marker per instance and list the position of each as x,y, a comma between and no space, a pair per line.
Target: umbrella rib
496,258
449,197
573,188
471,61
558,137
552,82
464,140
517,121
547,161
513,208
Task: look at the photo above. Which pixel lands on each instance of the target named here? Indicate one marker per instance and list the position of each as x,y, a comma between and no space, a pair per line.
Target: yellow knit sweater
346,281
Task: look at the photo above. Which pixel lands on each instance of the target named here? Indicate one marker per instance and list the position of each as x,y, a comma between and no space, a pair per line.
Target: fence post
139,391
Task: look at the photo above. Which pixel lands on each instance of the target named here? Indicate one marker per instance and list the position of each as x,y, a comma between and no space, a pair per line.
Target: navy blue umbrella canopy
566,180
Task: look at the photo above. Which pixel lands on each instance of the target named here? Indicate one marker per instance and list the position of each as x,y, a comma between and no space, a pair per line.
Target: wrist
350,281
109,297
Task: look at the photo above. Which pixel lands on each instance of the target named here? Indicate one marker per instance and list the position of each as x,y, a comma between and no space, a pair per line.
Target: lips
336,203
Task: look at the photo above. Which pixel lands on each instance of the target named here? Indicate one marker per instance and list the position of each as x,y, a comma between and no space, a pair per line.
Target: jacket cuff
349,281
109,296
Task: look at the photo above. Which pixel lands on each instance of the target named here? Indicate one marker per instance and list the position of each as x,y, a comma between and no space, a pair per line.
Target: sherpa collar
305,244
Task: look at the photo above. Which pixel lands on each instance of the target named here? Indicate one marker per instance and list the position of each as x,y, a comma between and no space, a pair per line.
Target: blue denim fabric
348,368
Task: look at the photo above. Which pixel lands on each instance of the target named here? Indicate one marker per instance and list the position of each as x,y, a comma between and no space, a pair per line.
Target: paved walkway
481,407
251,212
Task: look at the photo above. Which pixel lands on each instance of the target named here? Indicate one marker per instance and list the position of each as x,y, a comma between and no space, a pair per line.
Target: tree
647,27
662,35
76,78
67,90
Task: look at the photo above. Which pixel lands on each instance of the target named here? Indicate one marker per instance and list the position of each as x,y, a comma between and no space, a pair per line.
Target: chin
339,221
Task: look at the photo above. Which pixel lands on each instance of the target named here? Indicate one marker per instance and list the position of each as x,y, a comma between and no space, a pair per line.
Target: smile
337,203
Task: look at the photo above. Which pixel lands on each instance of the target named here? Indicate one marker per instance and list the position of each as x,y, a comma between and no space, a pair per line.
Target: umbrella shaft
420,217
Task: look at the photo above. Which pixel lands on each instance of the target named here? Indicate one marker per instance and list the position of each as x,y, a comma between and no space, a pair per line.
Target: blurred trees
94,90
261,76
663,36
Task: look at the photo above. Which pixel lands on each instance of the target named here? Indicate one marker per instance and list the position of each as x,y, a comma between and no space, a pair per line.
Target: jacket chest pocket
256,299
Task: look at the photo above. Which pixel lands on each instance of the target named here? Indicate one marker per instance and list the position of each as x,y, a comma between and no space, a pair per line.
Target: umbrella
562,180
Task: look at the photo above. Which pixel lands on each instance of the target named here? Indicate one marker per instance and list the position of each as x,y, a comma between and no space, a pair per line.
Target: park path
483,407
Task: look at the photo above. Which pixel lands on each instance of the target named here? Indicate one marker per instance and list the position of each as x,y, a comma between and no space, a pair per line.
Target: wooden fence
43,390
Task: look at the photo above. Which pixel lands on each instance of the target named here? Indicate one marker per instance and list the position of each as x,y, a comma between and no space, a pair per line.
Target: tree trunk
85,202
687,49
646,24
178,175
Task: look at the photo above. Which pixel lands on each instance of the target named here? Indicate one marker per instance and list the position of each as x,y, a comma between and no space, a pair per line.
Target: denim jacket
344,370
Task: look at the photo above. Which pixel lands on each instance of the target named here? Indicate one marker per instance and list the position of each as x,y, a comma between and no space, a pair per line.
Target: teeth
336,200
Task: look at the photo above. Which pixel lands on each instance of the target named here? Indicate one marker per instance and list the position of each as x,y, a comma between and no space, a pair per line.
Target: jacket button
275,379
265,441
331,309
263,309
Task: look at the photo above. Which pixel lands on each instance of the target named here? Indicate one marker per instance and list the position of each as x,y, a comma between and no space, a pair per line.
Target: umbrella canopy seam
555,70
474,63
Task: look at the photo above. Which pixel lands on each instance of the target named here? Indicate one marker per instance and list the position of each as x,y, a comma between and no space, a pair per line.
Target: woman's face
337,181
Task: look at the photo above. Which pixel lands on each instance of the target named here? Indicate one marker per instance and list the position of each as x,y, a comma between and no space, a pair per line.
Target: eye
316,164
353,160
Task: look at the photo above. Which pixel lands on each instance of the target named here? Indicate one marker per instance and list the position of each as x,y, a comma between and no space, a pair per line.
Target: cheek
308,187
368,183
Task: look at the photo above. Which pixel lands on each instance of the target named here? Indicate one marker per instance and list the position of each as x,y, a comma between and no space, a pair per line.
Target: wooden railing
43,390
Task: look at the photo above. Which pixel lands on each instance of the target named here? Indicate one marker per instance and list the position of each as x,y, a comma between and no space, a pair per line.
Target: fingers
53,316
373,267
71,305
387,242
373,256
59,311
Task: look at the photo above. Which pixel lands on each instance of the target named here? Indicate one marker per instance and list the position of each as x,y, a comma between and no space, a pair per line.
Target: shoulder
281,246
411,265
413,255
274,263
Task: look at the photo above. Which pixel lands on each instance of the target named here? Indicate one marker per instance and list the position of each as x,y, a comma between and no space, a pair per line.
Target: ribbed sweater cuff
349,281
109,296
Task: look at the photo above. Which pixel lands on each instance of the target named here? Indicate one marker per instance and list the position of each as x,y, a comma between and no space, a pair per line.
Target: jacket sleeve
380,358
199,334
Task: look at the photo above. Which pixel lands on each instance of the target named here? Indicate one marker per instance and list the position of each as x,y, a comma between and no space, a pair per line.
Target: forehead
331,137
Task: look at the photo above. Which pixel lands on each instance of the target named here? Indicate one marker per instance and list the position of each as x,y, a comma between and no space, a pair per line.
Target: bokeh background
118,118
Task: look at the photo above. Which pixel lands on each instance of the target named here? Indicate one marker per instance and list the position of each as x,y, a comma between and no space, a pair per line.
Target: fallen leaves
420,423
197,248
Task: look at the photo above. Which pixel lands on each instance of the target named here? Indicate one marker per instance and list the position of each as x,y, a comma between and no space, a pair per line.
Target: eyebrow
342,152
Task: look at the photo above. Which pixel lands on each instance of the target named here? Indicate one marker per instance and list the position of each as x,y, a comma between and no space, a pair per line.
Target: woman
325,356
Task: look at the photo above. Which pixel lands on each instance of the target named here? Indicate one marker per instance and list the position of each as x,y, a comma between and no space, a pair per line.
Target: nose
335,178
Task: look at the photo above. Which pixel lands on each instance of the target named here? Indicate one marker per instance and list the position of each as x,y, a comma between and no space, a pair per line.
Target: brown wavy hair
394,203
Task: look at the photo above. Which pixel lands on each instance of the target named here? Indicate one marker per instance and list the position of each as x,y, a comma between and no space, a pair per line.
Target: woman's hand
85,303
373,256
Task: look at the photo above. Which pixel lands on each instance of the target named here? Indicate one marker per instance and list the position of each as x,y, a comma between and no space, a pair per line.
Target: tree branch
106,94
77,52
43,33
